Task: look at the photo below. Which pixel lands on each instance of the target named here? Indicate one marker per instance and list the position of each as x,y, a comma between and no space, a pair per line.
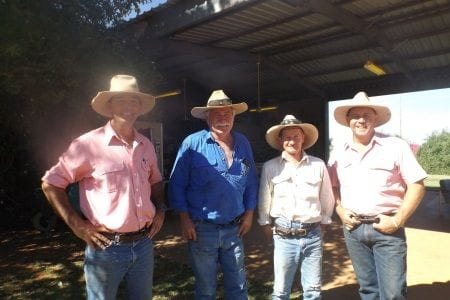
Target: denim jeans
105,269
218,245
290,253
379,261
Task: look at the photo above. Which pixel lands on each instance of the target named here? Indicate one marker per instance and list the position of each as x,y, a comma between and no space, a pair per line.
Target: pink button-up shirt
114,180
374,182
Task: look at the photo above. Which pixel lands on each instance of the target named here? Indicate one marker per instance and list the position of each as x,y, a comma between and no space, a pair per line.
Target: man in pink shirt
378,185
121,194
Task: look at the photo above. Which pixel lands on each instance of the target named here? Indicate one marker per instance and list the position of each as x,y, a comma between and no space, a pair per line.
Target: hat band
290,121
220,102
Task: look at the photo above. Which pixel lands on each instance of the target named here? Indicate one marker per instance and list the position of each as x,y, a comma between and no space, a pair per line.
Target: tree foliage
54,56
434,154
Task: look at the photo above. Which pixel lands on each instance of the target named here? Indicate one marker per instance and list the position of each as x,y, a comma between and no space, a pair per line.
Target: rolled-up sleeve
70,167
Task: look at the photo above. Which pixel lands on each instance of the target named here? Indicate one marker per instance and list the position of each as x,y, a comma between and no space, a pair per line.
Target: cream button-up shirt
296,191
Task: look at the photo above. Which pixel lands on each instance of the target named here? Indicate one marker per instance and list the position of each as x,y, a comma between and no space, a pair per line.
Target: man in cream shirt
295,203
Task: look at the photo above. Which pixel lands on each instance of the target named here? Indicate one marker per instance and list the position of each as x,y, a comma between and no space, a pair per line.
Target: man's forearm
411,201
158,195
58,199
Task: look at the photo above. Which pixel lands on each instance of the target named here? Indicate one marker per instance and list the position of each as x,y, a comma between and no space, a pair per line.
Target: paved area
428,234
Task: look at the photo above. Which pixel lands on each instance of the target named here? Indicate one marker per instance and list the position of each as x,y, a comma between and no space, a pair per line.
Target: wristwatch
161,206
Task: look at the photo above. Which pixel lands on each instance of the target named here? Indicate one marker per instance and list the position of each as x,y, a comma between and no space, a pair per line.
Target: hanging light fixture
259,108
374,68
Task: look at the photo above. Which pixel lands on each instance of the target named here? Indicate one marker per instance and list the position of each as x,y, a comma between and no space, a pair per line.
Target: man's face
220,120
362,121
125,107
291,139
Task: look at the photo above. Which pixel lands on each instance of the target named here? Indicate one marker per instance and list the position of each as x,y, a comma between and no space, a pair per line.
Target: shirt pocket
381,172
310,187
282,186
108,178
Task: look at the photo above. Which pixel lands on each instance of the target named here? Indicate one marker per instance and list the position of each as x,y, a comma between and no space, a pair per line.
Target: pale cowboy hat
362,100
310,131
218,99
121,84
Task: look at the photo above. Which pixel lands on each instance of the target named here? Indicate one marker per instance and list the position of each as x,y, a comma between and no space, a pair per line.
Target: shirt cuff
264,221
326,220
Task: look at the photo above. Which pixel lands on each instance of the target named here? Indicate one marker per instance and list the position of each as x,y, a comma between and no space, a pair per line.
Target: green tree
54,56
434,154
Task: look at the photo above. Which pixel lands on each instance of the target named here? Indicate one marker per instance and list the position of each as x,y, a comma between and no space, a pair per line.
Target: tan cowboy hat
121,84
362,100
218,99
310,131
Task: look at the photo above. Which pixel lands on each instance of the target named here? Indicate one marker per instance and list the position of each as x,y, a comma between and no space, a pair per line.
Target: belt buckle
282,230
299,231
117,238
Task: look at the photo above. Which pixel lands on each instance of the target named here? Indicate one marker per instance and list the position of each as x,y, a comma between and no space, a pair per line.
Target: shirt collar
210,138
376,139
110,134
305,158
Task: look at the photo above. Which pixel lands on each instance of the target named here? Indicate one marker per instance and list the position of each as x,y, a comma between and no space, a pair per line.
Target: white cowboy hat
121,84
310,131
218,99
362,100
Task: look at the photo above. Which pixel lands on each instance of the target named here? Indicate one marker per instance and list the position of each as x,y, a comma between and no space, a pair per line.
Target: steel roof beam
358,25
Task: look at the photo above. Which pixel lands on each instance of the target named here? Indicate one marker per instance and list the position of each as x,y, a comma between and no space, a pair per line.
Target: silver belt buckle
299,232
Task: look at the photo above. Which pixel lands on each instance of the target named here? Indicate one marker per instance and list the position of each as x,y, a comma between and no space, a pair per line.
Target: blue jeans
290,253
379,261
105,269
218,245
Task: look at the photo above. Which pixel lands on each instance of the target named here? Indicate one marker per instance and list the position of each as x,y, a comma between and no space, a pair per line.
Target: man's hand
246,222
348,218
187,227
92,235
387,224
157,223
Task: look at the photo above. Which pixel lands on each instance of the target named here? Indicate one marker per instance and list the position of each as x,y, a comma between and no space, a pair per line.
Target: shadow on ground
34,266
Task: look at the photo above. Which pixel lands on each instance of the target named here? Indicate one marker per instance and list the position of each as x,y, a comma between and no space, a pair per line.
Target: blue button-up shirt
203,185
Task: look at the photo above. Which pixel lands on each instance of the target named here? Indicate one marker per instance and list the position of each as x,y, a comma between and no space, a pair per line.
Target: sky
415,116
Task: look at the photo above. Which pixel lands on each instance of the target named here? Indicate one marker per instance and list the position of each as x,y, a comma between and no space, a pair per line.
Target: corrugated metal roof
321,44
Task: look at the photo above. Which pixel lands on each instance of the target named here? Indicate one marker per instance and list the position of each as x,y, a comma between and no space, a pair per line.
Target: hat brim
310,131
383,113
100,102
200,112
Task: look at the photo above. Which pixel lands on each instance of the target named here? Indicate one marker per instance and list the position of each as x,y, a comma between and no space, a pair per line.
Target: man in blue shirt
213,187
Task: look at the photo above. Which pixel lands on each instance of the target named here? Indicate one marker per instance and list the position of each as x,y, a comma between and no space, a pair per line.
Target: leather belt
126,237
295,232
235,221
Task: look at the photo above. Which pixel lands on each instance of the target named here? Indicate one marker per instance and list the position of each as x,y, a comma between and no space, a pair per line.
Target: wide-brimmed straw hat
362,100
218,99
122,84
310,131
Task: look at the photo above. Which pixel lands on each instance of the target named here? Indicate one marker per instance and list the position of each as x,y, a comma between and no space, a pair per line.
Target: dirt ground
428,235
